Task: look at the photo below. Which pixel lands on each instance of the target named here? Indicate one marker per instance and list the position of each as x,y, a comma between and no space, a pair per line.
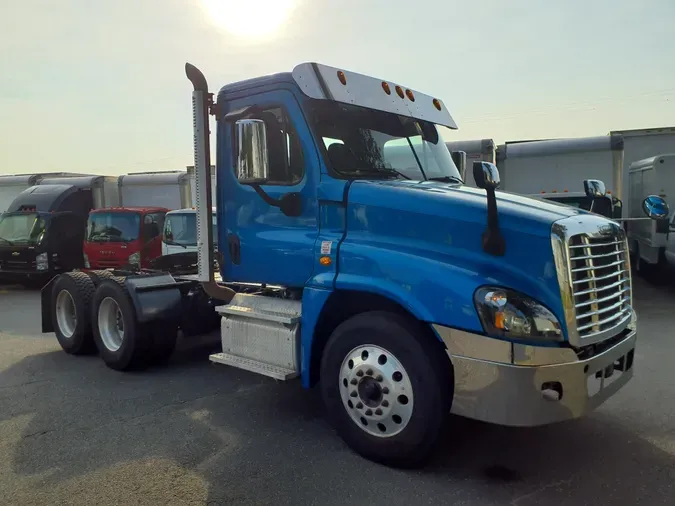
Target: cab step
262,335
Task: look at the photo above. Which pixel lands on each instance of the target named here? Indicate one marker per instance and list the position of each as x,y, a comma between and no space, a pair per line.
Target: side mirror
486,175
655,207
252,161
594,188
459,158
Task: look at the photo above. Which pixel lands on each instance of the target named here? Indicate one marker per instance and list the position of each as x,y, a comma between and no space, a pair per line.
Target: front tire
387,385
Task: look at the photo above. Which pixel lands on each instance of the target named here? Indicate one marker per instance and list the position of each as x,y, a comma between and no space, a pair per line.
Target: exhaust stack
201,101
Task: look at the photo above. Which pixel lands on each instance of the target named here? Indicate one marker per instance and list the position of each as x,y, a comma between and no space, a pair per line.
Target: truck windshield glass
365,143
22,228
113,227
181,229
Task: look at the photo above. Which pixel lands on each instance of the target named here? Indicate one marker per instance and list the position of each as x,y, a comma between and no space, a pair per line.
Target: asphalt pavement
75,432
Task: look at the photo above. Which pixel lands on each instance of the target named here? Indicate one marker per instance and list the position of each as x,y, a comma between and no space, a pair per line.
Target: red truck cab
120,236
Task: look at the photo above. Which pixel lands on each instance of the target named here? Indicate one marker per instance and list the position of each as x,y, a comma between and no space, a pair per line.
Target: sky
99,86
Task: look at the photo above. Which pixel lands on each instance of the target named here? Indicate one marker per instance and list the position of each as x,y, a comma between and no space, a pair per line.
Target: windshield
22,227
113,227
364,143
181,229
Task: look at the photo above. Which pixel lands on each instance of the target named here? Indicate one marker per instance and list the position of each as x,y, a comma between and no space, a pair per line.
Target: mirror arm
289,203
493,240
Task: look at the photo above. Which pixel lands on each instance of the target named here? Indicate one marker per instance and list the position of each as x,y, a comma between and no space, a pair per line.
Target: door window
152,225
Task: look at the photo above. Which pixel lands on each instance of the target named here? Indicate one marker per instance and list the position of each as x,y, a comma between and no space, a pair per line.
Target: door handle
234,247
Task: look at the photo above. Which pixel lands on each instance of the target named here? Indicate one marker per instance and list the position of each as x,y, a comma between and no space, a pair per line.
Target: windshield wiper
386,171
174,243
446,179
7,241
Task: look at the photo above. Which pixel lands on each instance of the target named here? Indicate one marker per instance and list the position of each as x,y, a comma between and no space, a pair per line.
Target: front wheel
387,386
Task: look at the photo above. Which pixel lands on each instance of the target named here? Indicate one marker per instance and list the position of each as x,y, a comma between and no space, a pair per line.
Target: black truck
42,231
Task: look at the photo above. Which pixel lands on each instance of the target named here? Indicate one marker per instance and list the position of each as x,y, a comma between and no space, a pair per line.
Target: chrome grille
600,283
593,268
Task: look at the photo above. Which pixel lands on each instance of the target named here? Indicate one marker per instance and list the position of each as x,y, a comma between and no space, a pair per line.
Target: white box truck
651,242
170,189
555,169
641,144
484,150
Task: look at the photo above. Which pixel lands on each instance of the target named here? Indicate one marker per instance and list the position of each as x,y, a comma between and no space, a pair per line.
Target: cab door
261,243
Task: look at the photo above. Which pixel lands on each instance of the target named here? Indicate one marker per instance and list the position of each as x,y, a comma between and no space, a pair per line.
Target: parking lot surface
75,432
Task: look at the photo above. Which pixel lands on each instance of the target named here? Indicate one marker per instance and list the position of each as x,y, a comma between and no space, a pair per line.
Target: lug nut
354,381
359,373
378,411
378,378
385,403
369,412
353,394
359,405
369,372
385,390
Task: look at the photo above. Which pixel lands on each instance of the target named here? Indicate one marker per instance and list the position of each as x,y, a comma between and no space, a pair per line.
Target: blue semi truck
379,276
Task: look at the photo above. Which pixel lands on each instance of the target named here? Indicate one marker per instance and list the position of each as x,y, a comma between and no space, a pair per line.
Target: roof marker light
342,77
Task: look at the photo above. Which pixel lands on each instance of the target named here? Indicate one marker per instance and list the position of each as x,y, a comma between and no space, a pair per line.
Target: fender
155,297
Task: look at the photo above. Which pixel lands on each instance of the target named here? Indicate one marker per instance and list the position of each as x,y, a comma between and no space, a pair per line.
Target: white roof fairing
321,82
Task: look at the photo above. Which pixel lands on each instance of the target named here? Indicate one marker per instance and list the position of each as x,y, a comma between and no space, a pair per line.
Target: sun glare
249,18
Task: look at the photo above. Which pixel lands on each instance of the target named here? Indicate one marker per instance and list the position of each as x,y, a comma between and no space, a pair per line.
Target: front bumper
518,385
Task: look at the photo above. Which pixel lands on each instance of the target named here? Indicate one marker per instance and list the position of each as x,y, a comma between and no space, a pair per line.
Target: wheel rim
376,391
110,324
66,317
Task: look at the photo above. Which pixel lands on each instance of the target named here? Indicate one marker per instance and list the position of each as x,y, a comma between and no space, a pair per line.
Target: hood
462,203
438,228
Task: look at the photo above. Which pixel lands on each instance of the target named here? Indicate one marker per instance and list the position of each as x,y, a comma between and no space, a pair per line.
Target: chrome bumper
518,385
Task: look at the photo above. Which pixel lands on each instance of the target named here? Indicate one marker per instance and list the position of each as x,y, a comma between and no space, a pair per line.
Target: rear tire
71,318
410,377
119,337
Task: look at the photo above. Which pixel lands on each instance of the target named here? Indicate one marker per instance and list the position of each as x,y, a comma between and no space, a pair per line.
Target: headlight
512,315
42,262
135,258
87,265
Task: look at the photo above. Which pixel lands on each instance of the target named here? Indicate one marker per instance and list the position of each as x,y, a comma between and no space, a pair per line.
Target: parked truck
556,169
479,150
404,300
640,144
12,185
131,233
42,232
652,243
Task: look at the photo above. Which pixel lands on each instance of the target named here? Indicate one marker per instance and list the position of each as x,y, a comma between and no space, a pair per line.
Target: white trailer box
160,189
104,190
193,185
561,165
652,176
640,145
11,186
483,150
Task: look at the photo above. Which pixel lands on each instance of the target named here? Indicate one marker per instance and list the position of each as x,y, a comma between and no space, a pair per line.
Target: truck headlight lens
42,262
512,315
135,258
87,265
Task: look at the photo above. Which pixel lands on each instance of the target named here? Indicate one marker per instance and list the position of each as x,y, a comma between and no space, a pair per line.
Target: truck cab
41,234
121,236
353,257
180,231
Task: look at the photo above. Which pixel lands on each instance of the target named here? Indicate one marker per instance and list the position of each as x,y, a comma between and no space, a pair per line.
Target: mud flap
46,306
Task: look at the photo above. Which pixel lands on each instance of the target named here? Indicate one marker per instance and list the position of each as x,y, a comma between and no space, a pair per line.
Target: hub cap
110,324
376,391
66,318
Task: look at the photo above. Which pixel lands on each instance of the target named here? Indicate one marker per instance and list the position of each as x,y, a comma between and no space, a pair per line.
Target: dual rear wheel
92,312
